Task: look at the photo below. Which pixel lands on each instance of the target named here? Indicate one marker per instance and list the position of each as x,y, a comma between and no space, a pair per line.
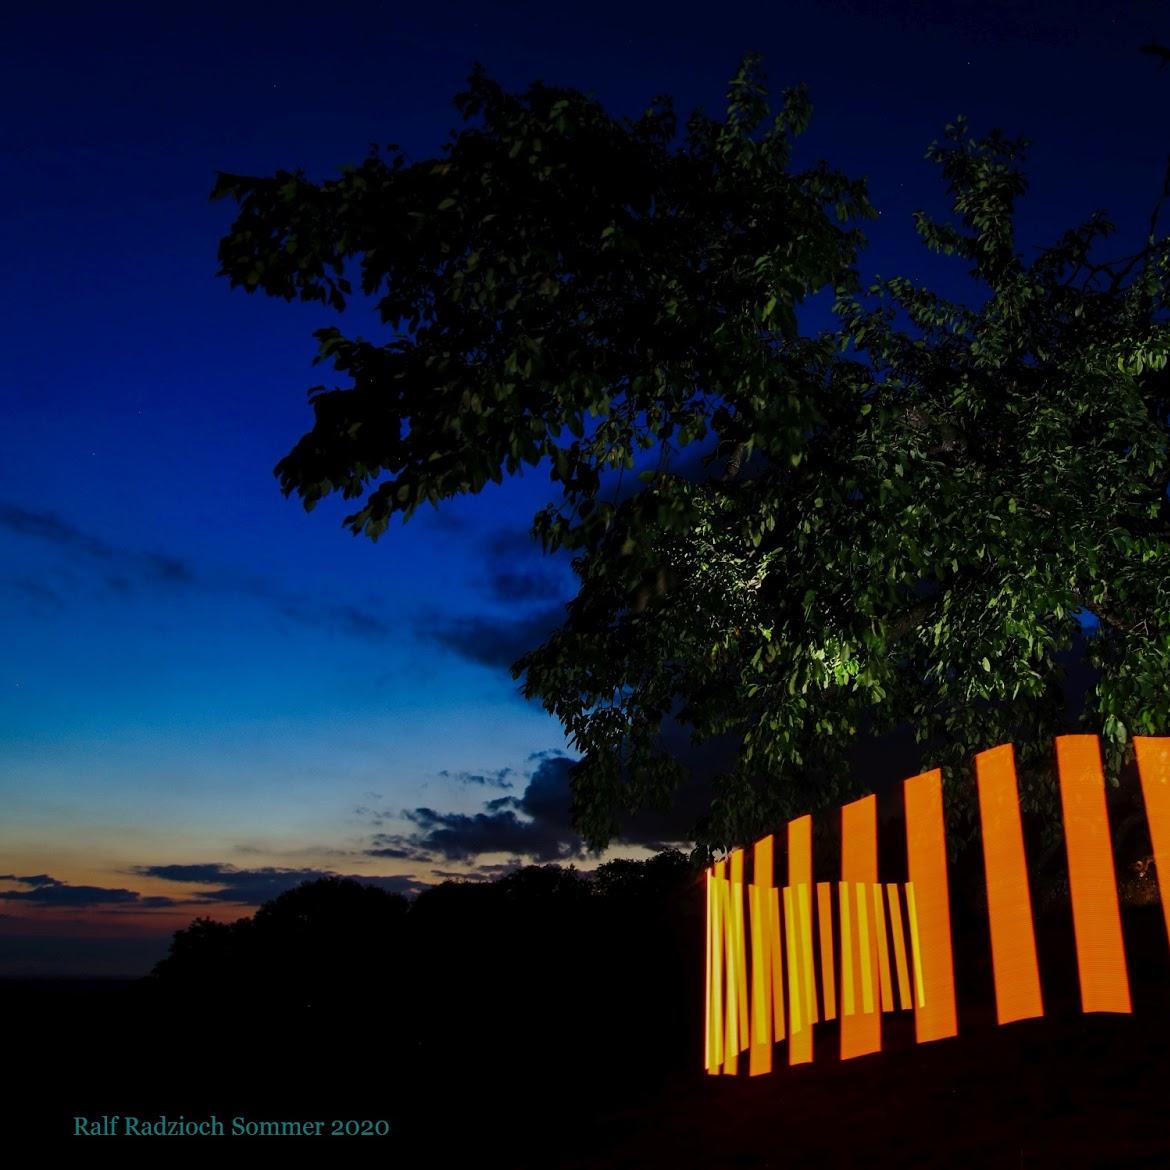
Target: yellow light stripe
795,993
777,968
731,1023
848,1002
865,948
708,986
861,1033
825,934
885,982
916,946
804,914
741,984
899,946
718,882
800,966
760,1059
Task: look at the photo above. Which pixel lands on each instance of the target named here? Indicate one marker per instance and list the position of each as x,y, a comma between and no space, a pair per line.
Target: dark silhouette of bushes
537,998
316,946
543,961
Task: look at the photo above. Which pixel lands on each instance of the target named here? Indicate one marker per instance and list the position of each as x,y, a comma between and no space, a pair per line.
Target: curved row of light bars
858,980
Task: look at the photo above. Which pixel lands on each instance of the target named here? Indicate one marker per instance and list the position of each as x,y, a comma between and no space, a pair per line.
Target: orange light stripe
718,881
760,1058
825,934
801,994
730,984
708,985
741,974
926,853
915,947
777,968
1009,903
804,917
861,1031
1153,761
1091,877
865,947
885,982
760,1052
848,1001
899,946
795,991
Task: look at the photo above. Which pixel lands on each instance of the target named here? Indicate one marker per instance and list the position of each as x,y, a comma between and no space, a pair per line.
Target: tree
911,509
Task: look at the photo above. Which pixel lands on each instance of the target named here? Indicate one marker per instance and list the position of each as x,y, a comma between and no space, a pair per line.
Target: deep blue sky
206,693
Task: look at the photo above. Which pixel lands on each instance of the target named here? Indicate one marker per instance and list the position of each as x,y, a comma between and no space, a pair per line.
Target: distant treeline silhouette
544,963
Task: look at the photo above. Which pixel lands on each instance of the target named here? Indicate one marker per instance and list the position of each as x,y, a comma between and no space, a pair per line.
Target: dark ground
1068,1090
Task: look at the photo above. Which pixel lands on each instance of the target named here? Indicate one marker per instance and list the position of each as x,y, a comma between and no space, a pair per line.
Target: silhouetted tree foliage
912,508
316,945
520,969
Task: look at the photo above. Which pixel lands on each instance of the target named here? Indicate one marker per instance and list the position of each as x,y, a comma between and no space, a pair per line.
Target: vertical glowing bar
800,989
848,1003
916,948
760,1059
1153,761
899,946
804,915
885,982
800,879
861,1032
825,933
730,984
930,910
717,962
777,967
1091,879
718,881
795,992
865,949
708,987
741,985
1009,904
760,1053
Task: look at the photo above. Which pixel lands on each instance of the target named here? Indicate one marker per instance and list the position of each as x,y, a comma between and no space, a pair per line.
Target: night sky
207,694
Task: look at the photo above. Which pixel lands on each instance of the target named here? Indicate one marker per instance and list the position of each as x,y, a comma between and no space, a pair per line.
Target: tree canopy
909,512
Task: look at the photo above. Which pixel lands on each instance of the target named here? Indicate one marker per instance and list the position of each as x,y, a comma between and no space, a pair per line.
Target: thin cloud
518,569
36,591
496,642
530,586
498,779
48,891
50,527
538,823
252,887
128,571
